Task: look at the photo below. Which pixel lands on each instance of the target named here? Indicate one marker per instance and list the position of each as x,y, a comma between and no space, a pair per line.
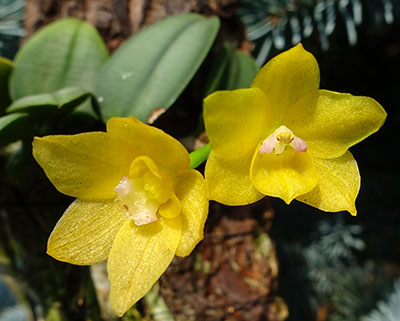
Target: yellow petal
331,122
228,180
172,208
85,232
338,186
138,257
286,78
88,165
191,190
164,150
236,120
286,175
142,164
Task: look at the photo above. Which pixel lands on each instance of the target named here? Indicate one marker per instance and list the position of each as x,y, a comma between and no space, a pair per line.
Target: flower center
280,140
140,197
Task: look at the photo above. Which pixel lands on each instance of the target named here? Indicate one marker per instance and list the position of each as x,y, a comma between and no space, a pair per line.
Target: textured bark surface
116,20
233,272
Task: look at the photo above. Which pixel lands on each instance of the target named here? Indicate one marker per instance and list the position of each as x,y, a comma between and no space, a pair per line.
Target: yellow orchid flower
137,203
284,137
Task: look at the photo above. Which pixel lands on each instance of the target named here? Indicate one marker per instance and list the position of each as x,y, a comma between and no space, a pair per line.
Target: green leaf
14,127
5,70
231,69
154,66
63,100
66,53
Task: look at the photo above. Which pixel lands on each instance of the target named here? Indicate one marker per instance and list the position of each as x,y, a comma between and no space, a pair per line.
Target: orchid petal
236,121
151,142
191,191
286,175
228,180
85,232
338,185
332,122
285,79
138,257
88,165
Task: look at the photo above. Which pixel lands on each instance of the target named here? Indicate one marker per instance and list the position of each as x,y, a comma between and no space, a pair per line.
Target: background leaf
153,67
61,100
13,127
231,69
5,70
66,53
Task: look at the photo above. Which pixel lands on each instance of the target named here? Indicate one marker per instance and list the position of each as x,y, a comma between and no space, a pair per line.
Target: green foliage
5,71
14,127
67,53
152,68
59,102
387,309
58,67
357,291
331,254
280,24
325,270
231,69
11,17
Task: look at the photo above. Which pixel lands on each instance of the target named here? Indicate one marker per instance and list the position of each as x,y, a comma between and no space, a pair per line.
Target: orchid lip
280,140
135,201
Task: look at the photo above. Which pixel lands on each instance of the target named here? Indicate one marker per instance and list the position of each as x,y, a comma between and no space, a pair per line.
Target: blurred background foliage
331,266
11,29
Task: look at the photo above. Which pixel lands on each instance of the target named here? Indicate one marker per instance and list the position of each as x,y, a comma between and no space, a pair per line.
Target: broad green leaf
5,70
153,67
242,70
63,100
14,127
231,69
218,68
66,53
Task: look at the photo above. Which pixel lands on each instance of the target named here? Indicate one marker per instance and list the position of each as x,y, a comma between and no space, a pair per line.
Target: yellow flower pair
138,204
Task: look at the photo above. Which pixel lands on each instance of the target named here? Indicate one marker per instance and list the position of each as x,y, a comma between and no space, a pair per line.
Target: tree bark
116,20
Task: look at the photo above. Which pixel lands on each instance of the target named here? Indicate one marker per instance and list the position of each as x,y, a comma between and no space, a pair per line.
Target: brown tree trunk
116,20
229,276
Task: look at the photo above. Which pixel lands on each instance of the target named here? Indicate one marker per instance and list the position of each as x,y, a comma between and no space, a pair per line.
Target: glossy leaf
232,69
14,127
63,100
5,70
153,67
66,53
217,70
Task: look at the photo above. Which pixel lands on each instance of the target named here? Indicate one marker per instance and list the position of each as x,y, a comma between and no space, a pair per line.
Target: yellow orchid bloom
137,203
284,137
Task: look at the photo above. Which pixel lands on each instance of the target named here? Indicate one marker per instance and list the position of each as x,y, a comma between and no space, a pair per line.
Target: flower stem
199,156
